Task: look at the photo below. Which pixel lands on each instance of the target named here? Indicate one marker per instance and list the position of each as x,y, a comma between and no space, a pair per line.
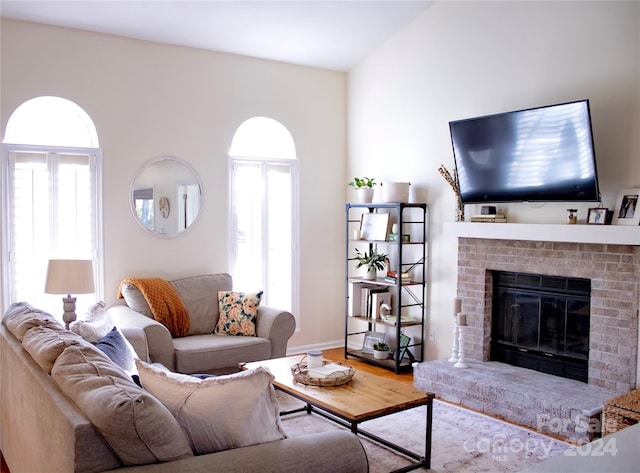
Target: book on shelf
363,299
497,218
377,300
395,280
394,275
357,304
368,302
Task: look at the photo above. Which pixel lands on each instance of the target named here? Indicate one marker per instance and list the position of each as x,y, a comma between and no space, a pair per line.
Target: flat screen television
543,154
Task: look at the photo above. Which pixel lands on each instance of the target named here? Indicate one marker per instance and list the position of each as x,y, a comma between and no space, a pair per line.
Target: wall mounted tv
543,154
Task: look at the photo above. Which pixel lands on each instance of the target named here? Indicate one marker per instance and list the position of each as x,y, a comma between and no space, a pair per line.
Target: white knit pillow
218,413
95,325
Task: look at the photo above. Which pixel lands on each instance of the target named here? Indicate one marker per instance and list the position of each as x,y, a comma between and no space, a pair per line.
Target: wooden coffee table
367,396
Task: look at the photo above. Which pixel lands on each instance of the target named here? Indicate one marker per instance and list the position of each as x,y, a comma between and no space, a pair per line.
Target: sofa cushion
238,313
95,325
45,344
199,295
218,413
199,353
136,425
21,316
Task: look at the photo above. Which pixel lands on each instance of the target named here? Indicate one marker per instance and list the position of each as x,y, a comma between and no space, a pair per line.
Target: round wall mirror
166,196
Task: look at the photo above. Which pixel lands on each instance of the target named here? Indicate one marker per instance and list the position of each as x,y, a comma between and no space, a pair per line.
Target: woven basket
301,375
621,412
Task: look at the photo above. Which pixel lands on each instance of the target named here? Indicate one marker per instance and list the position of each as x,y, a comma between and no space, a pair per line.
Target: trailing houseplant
363,182
364,188
372,260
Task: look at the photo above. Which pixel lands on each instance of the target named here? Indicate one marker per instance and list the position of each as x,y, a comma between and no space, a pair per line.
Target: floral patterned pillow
238,312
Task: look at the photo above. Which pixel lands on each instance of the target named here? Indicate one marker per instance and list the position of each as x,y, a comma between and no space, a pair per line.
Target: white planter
370,275
380,355
395,191
364,195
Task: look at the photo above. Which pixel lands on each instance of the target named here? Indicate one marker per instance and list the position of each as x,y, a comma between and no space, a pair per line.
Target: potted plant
373,261
364,188
380,351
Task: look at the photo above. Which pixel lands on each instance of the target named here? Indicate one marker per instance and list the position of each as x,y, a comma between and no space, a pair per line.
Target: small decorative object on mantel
364,189
572,216
455,185
599,216
627,211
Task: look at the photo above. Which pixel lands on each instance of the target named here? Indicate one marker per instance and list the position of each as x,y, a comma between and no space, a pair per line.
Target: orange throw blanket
165,303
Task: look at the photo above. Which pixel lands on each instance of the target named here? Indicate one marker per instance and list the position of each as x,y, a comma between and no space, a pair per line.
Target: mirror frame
168,208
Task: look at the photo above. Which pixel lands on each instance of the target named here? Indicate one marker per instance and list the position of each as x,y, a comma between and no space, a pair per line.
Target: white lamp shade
69,276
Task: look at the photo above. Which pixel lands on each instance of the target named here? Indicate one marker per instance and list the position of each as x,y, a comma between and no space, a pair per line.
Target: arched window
52,163
51,121
264,211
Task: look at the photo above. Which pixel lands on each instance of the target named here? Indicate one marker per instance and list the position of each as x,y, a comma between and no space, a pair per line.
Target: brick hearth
614,271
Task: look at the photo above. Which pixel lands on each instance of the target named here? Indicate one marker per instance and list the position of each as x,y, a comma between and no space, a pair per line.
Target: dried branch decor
455,185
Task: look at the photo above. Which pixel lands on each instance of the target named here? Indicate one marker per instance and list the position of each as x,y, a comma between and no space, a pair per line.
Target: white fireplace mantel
605,234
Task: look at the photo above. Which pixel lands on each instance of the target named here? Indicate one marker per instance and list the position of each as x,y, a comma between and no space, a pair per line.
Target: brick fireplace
613,271
609,257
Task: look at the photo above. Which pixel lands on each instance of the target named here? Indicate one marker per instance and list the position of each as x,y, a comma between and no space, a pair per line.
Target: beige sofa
42,429
202,351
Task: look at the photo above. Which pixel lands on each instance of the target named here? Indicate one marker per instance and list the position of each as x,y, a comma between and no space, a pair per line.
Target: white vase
371,274
364,195
381,355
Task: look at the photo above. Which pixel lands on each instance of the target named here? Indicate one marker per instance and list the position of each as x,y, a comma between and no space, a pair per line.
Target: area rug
463,440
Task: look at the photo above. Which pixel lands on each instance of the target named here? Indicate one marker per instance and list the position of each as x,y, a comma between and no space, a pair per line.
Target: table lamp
67,276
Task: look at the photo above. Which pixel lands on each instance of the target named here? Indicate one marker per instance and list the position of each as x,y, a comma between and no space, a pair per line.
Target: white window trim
295,218
8,148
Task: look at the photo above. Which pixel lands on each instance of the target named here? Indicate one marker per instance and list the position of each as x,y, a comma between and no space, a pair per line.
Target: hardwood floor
334,354
337,354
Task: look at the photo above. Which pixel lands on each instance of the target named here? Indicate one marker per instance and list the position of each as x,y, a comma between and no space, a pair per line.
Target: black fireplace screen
542,323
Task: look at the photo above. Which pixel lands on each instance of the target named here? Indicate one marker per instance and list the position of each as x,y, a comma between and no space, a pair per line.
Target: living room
387,117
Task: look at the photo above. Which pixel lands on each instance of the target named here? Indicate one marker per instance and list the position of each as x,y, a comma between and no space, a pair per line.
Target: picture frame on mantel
597,216
627,210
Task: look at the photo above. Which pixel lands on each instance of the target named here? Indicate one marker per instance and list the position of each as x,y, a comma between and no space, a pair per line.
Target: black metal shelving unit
408,298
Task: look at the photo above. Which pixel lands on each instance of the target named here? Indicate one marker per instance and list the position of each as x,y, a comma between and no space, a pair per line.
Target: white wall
466,59
148,100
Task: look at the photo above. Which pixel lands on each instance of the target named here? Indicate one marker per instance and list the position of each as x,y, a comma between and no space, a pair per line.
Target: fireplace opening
541,323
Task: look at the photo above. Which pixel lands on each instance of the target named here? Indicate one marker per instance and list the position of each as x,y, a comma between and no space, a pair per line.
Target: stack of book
496,218
392,276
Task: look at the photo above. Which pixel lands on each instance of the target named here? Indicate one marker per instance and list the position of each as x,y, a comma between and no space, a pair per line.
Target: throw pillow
45,344
238,313
139,429
95,325
21,316
218,413
120,351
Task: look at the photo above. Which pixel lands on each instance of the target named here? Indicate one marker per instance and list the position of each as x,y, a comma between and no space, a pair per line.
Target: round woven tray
301,375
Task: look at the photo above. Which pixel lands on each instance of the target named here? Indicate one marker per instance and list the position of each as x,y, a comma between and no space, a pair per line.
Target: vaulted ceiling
331,34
